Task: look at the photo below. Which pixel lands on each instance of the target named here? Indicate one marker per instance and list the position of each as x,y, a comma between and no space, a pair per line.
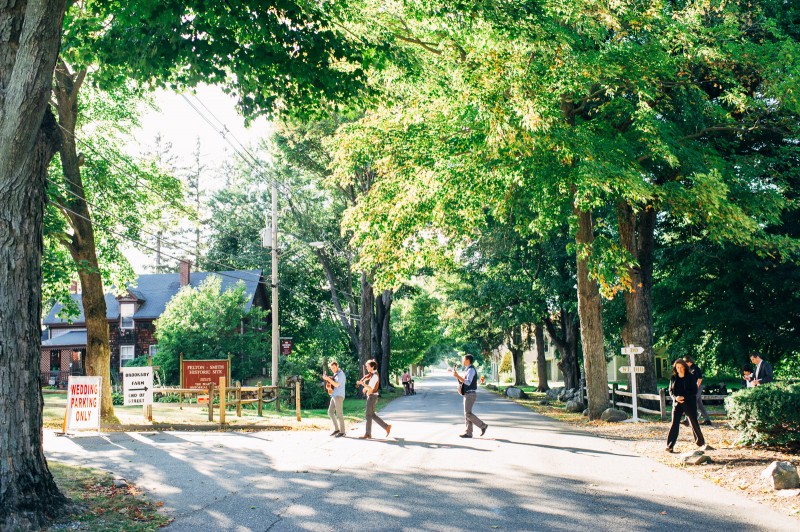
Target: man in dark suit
763,372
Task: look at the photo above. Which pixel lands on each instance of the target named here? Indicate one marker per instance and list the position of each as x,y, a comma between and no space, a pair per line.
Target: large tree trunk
541,361
81,243
566,342
590,311
29,137
384,302
365,332
637,234
517,348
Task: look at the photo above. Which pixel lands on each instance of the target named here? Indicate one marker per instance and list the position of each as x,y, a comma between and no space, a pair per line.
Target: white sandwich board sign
83,403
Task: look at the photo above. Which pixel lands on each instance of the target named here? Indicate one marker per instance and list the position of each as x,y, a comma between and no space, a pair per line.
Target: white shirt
373,382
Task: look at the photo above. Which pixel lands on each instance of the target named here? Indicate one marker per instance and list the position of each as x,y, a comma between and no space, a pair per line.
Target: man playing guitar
335,387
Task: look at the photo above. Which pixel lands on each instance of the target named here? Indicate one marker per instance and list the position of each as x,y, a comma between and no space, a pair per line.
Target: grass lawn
188,416
105,507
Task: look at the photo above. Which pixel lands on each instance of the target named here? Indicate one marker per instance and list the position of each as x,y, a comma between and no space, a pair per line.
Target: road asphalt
527,473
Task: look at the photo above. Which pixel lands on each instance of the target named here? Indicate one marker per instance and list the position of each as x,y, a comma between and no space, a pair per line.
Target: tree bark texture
590,311
81,243
566,341
30,34
365,332
637,235
541,361
517,347
383,309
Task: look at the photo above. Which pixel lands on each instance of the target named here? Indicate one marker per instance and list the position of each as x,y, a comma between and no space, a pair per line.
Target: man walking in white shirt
468,385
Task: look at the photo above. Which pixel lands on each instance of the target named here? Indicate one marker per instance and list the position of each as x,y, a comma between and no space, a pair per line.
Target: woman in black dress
683,390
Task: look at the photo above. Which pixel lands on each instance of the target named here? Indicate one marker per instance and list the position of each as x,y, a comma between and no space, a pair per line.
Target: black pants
407,385
688,407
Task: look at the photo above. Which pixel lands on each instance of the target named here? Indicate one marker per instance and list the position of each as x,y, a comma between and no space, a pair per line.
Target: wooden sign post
633,369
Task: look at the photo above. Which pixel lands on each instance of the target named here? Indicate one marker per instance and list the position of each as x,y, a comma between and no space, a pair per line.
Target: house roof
70,339
156,289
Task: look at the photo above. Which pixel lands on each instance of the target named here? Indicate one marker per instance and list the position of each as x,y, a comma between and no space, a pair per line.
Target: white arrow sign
627,369
632,350
137,385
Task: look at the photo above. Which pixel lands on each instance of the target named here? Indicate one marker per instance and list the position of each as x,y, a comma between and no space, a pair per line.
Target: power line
223,274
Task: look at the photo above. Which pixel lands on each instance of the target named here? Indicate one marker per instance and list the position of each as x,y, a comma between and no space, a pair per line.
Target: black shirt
697,373
686,387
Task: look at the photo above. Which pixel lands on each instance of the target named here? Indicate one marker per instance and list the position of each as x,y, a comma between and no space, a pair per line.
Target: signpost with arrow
137,386
632,351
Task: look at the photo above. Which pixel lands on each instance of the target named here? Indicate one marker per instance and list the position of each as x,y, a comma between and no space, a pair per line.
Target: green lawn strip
105,507
192,415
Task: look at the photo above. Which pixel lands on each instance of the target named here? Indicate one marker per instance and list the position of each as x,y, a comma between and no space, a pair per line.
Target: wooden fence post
297,398
614,395
662,403
260,399
180,365
238,399
211,401
223,392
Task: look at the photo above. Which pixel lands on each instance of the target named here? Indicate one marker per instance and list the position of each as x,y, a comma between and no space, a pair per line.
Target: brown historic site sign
201,373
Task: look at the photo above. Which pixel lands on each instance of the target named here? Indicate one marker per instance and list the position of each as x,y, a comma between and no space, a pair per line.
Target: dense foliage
206,323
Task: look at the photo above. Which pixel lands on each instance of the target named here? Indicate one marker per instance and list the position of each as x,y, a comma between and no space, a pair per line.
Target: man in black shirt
697,373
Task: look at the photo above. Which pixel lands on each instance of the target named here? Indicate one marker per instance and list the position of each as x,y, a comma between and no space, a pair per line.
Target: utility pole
275,327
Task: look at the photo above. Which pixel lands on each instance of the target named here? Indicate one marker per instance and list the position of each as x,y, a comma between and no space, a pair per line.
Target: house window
153,350
126,315
126,354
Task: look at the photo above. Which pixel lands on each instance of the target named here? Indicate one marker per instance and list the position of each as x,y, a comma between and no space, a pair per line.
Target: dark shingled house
130,320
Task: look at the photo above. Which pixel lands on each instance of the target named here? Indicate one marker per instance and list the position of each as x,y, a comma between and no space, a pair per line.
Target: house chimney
186,269
73,287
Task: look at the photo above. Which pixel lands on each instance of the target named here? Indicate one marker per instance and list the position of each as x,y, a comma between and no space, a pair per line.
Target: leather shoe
707,423
483,430
669,449
334,433
465,435
365,437
339,435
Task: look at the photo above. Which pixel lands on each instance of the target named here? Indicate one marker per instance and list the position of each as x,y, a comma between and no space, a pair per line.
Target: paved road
526,473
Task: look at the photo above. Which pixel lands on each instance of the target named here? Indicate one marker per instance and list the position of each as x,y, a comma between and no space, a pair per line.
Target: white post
633,385
275,327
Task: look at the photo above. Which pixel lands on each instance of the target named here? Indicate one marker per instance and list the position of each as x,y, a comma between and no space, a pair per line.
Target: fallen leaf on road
663,513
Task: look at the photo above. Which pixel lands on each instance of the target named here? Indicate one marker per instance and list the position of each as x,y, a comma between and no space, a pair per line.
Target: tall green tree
581,103
29,137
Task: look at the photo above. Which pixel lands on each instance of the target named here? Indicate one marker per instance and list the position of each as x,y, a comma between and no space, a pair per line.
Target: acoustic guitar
328,385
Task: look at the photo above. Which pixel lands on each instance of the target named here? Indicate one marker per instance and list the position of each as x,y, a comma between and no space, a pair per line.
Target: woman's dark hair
679,362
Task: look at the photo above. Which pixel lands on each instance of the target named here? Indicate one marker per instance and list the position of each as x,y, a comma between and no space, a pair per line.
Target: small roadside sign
83,403
627,369
286,346
632,350
137,385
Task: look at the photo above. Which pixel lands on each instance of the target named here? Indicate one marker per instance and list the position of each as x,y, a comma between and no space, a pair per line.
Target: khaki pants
469,418
336,413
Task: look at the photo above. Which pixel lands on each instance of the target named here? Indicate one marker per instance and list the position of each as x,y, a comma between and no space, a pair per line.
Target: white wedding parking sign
83,403
137,385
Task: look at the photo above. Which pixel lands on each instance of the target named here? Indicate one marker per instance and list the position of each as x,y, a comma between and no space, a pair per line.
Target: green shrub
766,415
117,399
171,398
